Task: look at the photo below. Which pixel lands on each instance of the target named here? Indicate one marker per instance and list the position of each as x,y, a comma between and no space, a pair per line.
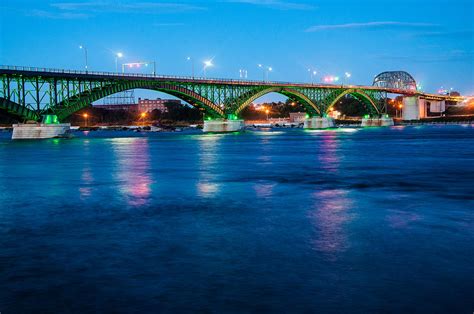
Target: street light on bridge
312,74
192,65
207,64
85,55
117,56
347,76
265,71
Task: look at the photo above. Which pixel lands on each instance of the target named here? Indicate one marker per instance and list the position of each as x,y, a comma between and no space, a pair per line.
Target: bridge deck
99,76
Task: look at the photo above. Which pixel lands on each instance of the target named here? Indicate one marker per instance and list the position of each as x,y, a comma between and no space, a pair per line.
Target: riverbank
279,123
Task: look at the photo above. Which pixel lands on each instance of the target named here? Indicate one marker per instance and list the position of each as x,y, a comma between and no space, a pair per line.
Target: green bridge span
29,93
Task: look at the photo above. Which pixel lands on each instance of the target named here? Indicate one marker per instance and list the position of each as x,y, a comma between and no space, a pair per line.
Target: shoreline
145,128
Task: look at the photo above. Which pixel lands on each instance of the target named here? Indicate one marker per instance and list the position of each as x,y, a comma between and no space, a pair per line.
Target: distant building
144,105
147,105
127,107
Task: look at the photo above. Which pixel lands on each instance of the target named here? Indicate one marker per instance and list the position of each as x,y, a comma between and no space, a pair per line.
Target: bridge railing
208,80
139,75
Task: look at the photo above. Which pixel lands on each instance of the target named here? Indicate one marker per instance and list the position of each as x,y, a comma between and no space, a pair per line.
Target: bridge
29,93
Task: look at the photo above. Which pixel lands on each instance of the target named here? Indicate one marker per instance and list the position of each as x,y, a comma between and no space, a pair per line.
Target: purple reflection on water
133,163
328,158
264,190
87,178
329,219
401,219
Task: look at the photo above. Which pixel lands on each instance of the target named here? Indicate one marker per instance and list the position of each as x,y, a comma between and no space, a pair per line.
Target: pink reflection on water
133,158
400,219
87,179
264,189
329,219
328,155
206,189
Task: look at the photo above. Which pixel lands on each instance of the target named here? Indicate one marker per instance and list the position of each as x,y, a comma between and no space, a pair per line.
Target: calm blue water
369,220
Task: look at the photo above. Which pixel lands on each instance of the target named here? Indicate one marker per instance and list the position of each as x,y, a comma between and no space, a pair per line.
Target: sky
432,40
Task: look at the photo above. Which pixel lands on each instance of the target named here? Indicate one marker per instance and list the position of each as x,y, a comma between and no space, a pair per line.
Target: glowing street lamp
269,69
265,71
400,106
267,111
312,74
142,117
85,55
192,65
207,64
85,115
347,75
117,56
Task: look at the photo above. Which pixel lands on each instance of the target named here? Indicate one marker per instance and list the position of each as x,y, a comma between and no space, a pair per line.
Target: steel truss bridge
29,93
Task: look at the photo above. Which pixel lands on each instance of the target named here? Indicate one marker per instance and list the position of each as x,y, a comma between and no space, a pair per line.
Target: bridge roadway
29,92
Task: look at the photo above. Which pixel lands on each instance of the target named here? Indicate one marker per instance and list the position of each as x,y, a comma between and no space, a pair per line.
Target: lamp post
312,74
142,117
265,71
269,69
207,64
347,75
85,55
117,56
85,115
192,65
267,111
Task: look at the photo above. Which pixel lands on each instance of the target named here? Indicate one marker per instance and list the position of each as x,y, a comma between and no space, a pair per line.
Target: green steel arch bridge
29,93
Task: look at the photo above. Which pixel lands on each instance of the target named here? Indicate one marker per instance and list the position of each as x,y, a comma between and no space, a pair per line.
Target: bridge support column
383,121
222,126
416,108
319,123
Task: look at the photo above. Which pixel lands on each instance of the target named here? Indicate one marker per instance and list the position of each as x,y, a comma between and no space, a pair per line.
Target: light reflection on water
133,169
207,185
302,221
87,177
328,155
330,217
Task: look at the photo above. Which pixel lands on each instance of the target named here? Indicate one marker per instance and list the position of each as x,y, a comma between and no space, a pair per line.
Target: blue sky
432,40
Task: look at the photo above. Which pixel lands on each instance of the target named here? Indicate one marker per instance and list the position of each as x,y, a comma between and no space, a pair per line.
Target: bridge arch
82,100
356,93
24,112
288,92
395,79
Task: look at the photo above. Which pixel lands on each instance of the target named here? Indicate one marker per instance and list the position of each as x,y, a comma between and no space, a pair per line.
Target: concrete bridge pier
385,120
319,123
417,107
223,125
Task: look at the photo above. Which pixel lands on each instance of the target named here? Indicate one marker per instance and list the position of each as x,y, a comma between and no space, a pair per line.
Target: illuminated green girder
30,93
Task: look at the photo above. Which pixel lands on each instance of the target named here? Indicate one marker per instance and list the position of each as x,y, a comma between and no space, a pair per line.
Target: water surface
353,220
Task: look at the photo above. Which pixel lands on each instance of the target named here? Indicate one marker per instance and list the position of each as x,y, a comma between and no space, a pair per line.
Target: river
342,221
